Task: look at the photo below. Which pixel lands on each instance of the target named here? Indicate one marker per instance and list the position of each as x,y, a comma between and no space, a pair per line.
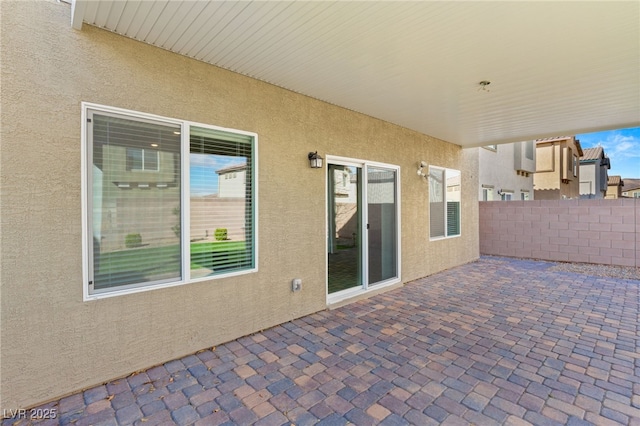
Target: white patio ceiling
556,68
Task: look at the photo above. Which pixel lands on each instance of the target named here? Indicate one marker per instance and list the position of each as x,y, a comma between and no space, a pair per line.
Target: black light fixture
315,161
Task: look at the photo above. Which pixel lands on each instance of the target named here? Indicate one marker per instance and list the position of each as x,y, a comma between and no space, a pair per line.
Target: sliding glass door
345,223
382,224
363,212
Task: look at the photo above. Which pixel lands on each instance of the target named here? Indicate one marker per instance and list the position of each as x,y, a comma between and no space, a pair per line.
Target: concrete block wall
590,231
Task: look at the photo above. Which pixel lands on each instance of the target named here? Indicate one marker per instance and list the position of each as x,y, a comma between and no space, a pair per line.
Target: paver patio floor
498,341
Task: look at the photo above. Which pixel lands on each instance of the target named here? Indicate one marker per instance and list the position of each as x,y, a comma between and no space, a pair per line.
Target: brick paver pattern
498,341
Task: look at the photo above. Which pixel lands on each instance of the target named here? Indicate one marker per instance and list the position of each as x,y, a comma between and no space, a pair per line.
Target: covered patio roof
548,68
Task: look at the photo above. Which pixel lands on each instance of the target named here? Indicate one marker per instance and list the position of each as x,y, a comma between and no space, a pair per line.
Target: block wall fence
589,231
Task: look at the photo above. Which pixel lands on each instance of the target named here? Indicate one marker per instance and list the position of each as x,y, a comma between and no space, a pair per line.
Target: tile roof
614,180
592,153
556,138
630,184
562,138
232,168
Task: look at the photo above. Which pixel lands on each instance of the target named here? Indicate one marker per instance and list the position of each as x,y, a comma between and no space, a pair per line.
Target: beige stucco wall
53,343
551,164
613,191
497,172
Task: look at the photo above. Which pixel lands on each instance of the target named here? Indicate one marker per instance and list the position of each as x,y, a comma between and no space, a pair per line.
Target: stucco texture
498,172
53,342
554,177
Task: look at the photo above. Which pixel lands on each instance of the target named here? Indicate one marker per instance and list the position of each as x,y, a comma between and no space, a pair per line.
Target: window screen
132,212
137,232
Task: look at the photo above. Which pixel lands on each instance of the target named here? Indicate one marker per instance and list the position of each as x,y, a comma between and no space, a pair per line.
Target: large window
185,221
444,202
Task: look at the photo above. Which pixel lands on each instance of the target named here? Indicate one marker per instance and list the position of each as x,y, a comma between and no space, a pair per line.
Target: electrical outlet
296,284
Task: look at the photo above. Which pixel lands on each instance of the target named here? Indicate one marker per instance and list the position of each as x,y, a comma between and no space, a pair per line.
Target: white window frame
446,236
506,196
184,202
366,287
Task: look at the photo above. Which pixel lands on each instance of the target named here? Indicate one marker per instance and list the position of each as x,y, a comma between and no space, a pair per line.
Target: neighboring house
506,171
630,188
343,211
122,179
593,173
632,192
557,168
614,187
120,128
232,181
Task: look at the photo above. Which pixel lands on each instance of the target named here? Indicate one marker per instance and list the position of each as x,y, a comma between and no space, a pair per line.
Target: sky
203,178
621,146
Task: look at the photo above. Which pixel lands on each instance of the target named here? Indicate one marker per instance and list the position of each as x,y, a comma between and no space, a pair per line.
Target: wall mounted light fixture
315,161
420,167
